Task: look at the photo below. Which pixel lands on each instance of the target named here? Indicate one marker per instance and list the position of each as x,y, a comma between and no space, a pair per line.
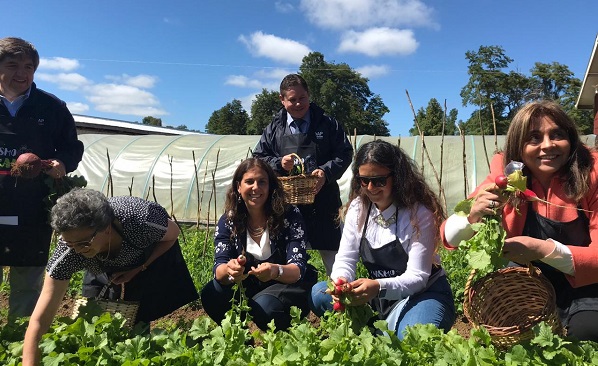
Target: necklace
256,231
107,255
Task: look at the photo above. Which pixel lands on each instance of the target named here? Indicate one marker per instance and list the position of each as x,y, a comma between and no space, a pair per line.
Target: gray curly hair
81,208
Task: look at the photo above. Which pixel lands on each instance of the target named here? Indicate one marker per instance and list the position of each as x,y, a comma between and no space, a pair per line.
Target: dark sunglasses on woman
377,181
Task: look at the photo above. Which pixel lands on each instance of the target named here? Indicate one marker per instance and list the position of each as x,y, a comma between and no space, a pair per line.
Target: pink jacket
585,259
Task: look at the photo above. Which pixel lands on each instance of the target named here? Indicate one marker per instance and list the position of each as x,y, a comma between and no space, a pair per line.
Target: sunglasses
377,181
83,244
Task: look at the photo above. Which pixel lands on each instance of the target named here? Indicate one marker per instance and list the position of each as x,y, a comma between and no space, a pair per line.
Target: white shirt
419,246
261,250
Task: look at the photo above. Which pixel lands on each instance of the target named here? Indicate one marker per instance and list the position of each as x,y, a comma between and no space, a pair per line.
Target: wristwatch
280,272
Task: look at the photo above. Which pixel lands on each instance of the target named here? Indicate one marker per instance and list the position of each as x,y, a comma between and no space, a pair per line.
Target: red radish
241,259
338,290
337,306
339,281
501,181
29,165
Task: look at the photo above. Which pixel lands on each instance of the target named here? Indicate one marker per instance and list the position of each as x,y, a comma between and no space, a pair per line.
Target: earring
239,199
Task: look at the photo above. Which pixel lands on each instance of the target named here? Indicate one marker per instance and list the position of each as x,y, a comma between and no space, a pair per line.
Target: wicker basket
299,189
510,302
128,309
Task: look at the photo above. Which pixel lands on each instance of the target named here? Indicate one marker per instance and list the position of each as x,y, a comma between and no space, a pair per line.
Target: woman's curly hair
409,187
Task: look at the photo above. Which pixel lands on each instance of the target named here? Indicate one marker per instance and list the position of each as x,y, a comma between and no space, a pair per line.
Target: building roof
590,82
88,124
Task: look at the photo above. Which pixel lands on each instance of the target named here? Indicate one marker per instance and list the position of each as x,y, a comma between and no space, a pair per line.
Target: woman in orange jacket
557,237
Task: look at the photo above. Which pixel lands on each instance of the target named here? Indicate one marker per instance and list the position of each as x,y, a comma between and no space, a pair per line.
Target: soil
185,316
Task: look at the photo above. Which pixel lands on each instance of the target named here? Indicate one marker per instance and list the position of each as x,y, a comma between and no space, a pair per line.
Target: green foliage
152,121
432,118
263,109
492,84
344,94
104,341
231,119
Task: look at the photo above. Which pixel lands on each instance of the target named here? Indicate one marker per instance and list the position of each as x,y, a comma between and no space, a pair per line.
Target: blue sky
182,60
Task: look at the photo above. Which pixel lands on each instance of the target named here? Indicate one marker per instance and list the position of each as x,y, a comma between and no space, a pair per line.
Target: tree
231,119
430,120
486,86
149,120
345,95
263,108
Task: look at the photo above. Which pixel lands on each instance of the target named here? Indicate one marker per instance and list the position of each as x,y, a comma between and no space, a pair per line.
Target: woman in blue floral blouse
260,241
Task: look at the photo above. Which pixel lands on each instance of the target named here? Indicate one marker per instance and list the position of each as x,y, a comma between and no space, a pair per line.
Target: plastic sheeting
183,172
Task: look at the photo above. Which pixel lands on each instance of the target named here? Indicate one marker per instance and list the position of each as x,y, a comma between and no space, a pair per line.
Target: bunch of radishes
341,290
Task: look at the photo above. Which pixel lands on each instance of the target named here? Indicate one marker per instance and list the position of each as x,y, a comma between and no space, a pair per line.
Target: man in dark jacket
302,128
31,121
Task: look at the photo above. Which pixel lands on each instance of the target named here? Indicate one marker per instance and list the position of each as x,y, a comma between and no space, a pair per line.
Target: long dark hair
580,162
408,185
275,207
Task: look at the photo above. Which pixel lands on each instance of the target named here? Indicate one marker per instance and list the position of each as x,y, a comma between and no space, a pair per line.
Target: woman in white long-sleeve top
392,224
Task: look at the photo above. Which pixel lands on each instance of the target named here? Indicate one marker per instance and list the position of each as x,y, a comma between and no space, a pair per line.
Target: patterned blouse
144,223
291,240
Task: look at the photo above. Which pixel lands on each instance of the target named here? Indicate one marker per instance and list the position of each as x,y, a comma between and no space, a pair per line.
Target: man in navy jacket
31,121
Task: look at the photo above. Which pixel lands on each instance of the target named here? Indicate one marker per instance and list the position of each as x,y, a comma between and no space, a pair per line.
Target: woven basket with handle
299,189
128,309
510,302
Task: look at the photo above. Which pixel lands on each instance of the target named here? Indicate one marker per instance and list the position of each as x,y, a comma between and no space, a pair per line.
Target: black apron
321,216
28,243
295,294
163,287
389,260
574,233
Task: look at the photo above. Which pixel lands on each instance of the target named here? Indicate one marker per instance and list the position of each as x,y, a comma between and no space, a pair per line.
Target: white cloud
242,81
373,71
124,99
140,81
348,14
58,63
77,107
279,49
379,41
284,7
65,81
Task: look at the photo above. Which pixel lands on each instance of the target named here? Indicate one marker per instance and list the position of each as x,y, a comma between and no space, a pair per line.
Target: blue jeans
25,287
434,306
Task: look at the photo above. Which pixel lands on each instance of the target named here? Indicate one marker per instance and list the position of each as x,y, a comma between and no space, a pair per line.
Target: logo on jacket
41,121
319,135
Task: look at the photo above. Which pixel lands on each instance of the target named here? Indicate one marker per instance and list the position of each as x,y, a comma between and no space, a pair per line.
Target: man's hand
321,179
58,170
287,162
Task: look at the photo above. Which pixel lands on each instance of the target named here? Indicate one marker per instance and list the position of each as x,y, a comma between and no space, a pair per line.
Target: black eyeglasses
377,181
83,244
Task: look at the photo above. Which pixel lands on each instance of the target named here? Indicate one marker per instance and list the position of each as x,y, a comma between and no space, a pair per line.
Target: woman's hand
265,271
119,278
487,201
523,249
235,270
364,289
